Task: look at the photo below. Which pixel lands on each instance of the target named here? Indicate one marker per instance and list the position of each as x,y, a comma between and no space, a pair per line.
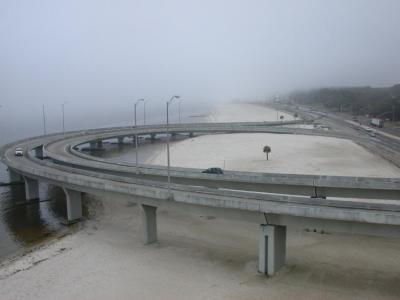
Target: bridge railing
293,184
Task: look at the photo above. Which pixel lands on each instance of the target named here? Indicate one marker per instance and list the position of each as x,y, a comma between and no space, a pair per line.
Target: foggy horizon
94,51
99,57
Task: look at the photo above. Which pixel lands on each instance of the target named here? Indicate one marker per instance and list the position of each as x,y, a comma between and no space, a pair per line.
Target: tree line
377,102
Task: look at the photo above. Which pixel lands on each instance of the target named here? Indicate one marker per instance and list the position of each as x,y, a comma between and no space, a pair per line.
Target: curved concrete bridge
348,204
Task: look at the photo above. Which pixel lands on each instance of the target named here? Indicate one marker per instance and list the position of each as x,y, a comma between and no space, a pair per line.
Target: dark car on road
213,171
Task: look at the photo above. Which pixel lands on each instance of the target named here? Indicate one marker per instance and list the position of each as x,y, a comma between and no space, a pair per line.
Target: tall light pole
0,107
179,110
136,136
44,120
144,112
63,116
168,159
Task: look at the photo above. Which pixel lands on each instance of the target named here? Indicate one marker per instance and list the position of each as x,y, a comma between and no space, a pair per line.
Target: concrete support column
319,192
153,137
74,205
44,190
149,219
100,144
92,145
14,176
272,248
135,137
120,140
39,152
191,134
31,188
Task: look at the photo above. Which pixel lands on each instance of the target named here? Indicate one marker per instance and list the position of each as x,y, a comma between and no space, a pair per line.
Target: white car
19,152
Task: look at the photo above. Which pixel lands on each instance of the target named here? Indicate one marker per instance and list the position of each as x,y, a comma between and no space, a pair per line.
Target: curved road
350,204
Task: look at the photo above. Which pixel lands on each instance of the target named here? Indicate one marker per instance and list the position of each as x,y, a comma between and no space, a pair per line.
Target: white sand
296,154
206,255
199,256
246,113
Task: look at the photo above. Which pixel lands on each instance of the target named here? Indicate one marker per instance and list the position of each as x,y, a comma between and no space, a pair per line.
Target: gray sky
95,51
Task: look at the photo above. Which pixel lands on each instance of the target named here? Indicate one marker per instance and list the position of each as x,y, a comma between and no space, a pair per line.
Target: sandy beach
212,254
290,154
296,154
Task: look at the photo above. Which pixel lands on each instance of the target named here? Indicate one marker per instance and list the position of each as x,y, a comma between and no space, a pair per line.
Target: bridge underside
272,236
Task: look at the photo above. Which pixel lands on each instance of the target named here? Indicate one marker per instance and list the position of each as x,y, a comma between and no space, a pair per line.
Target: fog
101,55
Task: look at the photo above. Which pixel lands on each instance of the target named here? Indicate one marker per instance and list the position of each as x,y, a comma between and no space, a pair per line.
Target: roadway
288,187
349,204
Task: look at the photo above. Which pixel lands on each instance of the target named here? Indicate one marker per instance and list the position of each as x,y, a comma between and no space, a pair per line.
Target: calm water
25,224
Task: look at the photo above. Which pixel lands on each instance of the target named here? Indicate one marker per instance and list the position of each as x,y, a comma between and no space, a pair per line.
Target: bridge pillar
120,140
74,205
272,248
149,219
39,152
191,134
153,137
100,144
92,145
31,188
319,192
133,139
14,176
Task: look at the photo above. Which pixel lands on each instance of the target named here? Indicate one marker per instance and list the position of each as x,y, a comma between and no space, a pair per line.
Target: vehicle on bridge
311,201
19,152
377,122
213,171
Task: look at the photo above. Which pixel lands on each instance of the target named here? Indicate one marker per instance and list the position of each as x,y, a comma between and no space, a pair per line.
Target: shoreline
201,253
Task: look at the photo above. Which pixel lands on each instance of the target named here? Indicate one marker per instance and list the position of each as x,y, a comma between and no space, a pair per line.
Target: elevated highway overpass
350,204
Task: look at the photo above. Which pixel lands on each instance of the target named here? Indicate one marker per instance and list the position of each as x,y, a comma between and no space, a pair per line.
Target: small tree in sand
281,117
267,150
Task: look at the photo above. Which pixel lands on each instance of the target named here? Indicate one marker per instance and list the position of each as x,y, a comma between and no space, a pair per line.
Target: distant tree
295,116
281,117
267,150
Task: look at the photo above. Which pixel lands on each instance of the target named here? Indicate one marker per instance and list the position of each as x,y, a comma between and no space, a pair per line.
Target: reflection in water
24,224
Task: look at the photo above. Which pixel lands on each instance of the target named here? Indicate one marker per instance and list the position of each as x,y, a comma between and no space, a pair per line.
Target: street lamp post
168,158
44,120
179,110
1,107
144,112
136,135
63,116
